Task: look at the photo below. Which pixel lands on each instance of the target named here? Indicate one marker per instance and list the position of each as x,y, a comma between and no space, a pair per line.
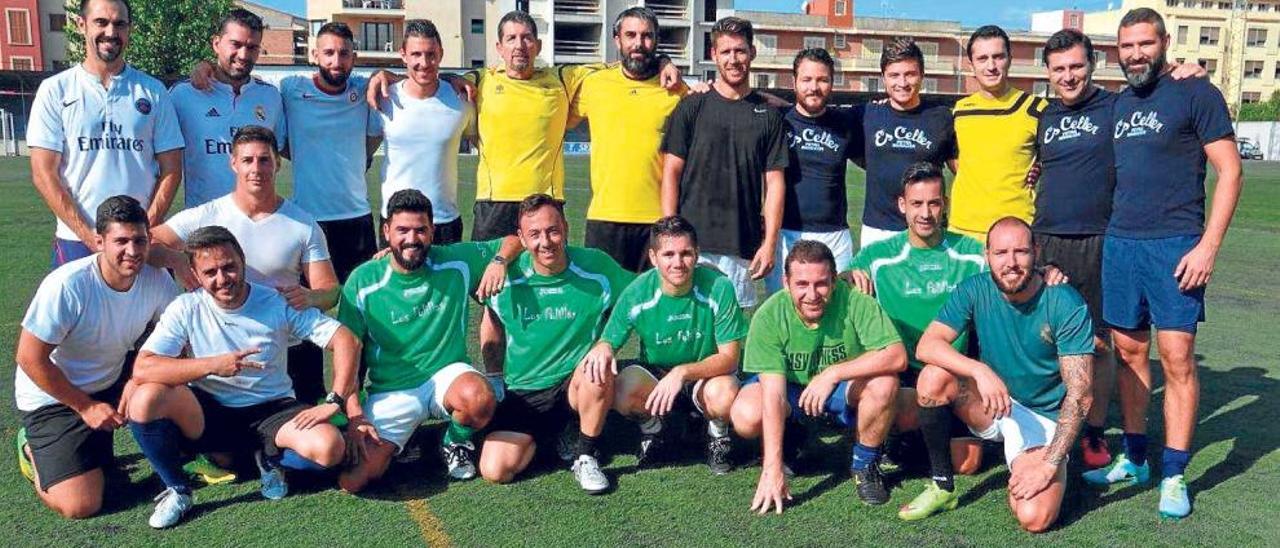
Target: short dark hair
671,226
1144,15
337,28
638,12
409,200
984,32
901,49
254,134
242,17
817,55
1064,40
810,251
518,16
733,26
420,28
84,7
121,209
921,172
208,237
534,202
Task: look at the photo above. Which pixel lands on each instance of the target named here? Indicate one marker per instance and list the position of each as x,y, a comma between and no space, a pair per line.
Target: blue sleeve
957,313
1209,112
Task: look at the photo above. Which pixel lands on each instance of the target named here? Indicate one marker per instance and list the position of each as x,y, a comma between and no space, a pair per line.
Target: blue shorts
1138,287
65,251
837,406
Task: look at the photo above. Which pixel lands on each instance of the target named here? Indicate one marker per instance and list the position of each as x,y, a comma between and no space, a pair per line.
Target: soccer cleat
652,450
24,460
718,449
460,458
933,500
1095,452
171,506
204,470
1175,502
589,475
1120,470
274,485
870,484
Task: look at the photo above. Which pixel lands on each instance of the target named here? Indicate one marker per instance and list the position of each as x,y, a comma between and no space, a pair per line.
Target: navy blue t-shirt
1077,167
818,147
886,142
1160,135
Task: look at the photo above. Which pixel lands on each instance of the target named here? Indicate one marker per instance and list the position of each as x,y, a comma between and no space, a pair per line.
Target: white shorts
839,242
871,235
738,270
1021,431
396,414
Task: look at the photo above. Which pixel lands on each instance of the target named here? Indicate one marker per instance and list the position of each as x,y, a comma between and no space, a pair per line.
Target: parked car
1249,151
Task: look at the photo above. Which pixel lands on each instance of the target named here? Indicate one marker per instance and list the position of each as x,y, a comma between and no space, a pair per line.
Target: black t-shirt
1077,166
886,142
818,149
727,147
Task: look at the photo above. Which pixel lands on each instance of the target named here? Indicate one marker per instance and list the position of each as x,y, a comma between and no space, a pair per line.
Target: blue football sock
1174,462
1135,447
863,456
292,460
160,441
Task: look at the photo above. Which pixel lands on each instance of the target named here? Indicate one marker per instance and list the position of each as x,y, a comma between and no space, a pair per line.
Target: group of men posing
952,312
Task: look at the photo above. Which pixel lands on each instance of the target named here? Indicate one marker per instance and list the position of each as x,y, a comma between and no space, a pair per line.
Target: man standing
100,129
84,320
1031,386
552,308
1159,253
209,119
819,349
724,155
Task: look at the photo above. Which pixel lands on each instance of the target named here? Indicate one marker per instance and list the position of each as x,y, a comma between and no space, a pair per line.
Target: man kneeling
233,394
820,349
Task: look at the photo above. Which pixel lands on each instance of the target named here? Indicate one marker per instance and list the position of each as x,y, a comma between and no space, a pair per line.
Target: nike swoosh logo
69,103
307,96
761,110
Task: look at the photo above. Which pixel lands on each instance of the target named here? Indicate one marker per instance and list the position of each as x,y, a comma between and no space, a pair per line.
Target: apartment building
378,26
1237,41
20,40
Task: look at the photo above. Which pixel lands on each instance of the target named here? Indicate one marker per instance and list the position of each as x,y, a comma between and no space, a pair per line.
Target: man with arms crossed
81,325
552,308
1159,252
690,329
723,162
818,349
232,392
409,309
1030,387
100,129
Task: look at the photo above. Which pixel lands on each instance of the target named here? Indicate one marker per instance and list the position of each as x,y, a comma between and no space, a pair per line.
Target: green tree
1266,111
167,38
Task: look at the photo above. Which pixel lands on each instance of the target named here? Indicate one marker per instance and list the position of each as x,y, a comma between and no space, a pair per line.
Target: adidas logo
213,113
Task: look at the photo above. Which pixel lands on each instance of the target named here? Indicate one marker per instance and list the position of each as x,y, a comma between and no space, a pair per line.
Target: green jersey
913,283
413,324
780,342
1022,342
552,321
677,330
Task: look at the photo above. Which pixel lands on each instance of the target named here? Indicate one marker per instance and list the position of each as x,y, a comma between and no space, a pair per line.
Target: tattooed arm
1077,374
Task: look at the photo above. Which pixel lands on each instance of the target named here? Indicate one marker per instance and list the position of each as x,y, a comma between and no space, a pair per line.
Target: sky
1012,14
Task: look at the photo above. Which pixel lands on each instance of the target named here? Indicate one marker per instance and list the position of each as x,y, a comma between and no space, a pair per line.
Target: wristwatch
499,259
335,399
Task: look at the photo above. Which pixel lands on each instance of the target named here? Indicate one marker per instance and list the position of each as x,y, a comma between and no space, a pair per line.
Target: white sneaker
171,506
589,475
460,459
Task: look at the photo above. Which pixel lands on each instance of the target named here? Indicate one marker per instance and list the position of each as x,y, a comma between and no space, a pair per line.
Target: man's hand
995,395
771,490
862,282
813,399
1196,267
1033,478
202,75
669,75
599,363
663,396
762,262
232,363
360,436
491,283
699,87
1182,71
380,87
1033,175
461,86
315,415
1054,275
297,296
101,416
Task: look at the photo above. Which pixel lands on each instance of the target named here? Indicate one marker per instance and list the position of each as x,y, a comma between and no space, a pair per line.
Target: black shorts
62,444
493,220
627,243
351,242
239,429
1080,258
447,233
306,370
542,414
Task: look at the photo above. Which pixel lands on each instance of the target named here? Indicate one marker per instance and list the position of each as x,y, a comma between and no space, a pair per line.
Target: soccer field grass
1234,474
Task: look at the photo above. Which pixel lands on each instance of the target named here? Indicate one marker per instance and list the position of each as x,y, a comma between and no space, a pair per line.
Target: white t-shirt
422,137
275,247
108,137
265,321
327,144
92,325
209,120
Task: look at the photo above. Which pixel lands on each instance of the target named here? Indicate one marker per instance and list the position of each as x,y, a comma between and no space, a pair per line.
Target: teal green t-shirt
1022,342
552,321
413,324
913,283
779,341
677,330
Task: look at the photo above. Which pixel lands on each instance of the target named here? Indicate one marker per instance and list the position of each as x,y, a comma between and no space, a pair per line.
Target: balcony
674,43
578,11
373,7
577,43
670,9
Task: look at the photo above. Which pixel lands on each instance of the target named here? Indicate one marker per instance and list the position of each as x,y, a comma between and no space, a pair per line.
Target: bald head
1014,226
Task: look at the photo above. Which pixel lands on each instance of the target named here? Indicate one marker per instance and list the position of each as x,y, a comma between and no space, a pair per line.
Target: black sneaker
870,484
652,450
718,450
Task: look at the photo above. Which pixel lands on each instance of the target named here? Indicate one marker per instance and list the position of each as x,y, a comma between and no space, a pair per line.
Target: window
765,81
1074,21
1277,74
871,83
872,47
1039,59
1253,69
841,41
841,8
376,37
767,43
1189,4
19,23
1250,97
1210,65
709,76
1224,5
1180,60
819,42
930,85
22,63
837,80
477,63
1099,59
57,22
1256,38
929,49
477,26
1182,34
1208,36
1171,3
1206,5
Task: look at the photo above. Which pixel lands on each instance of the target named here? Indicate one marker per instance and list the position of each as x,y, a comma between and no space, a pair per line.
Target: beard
1010,290
1147,76
111,54
335,81
644,67
398,254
